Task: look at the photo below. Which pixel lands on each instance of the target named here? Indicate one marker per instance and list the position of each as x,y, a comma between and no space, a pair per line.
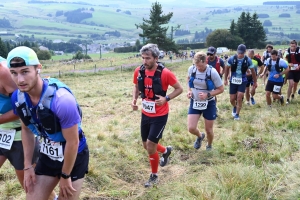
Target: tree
250,29
223,38
154,29
3,49
43,55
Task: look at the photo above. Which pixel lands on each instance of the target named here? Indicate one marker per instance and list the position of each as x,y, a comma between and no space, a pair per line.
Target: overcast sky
221,2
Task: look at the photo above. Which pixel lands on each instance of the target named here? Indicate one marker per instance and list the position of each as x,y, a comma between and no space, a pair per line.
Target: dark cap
211,50
241,49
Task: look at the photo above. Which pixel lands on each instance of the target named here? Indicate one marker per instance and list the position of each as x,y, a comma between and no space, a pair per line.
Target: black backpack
156,82
277,68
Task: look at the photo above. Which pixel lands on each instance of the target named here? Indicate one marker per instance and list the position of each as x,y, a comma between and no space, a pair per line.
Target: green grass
254,158
31,19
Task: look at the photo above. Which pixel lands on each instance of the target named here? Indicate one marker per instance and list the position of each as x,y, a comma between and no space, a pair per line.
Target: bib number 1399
237,81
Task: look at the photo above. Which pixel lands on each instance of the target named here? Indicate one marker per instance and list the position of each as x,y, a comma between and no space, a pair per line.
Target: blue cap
27,54
241,49
211,50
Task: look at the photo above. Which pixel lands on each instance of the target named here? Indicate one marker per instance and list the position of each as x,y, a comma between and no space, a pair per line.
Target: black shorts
16,154
250,81
48,167
152,127
270,86
234,88
294,74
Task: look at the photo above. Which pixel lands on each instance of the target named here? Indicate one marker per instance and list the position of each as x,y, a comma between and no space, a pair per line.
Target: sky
221,2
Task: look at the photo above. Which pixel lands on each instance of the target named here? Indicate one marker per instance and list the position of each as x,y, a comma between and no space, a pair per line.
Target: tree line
247,30
76,16
181,32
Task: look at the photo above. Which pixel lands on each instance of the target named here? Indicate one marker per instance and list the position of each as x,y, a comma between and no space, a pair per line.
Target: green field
31,19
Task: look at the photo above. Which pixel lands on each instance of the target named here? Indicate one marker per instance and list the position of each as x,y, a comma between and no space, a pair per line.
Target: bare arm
5,77
135,95
28,142
177,90
71,148
253,75
70,154
8,117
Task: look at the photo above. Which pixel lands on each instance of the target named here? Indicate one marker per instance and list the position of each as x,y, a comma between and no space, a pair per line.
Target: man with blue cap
238,65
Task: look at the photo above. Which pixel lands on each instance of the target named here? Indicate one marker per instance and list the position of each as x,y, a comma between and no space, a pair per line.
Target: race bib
200,105
237,81
294,67
276,88
54,150
148,106
6,138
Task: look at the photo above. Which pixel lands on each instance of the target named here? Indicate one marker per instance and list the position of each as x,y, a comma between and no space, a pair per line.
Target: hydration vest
218,64
277,68
156,82
48,125
245,64
267,56
208,81
297,55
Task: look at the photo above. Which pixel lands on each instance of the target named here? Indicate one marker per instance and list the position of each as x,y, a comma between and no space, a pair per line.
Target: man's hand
29,180
189,94
255,84
225,82
133,105
66,189
161,101
202,95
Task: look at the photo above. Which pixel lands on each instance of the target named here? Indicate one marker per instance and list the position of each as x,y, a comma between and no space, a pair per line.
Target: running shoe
198,141
153,180
165,157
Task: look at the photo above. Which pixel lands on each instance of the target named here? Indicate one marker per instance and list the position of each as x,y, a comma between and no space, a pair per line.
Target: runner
10,128
216,63
265,56
275,67
239,64
293,76
204,83
48,109
151,80
251,92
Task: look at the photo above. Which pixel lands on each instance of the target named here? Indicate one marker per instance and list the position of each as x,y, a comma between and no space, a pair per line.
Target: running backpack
277,68
156,82
245,64
297,55
209,83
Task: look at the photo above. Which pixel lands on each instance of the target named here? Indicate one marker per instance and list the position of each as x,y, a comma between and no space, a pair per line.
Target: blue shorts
249,81
209,113
234,88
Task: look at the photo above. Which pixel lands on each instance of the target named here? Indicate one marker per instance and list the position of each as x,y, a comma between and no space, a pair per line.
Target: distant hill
40,20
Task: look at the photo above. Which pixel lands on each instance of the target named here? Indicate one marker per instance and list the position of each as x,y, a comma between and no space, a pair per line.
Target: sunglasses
209,54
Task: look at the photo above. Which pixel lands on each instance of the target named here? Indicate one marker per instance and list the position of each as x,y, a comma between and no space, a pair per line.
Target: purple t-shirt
65,108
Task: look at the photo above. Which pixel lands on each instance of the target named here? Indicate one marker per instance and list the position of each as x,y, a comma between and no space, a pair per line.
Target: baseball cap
26,53
211,50
241,49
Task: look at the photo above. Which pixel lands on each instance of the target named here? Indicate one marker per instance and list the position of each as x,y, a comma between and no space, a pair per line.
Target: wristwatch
168,98
65,176
208,95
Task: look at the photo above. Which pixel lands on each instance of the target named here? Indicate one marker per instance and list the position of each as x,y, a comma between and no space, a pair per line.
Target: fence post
59,73
121,68
95,69
74,67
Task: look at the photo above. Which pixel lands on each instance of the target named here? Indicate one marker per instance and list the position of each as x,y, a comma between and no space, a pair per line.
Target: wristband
28,168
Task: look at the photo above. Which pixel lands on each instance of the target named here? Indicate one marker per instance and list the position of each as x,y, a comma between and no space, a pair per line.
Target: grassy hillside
254,158
32,19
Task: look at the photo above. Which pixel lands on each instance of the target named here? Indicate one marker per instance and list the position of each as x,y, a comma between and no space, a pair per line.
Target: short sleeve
65,108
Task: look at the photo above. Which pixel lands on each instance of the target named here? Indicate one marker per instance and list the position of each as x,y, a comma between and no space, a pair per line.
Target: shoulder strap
208,72
142,71
194,70
159,70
